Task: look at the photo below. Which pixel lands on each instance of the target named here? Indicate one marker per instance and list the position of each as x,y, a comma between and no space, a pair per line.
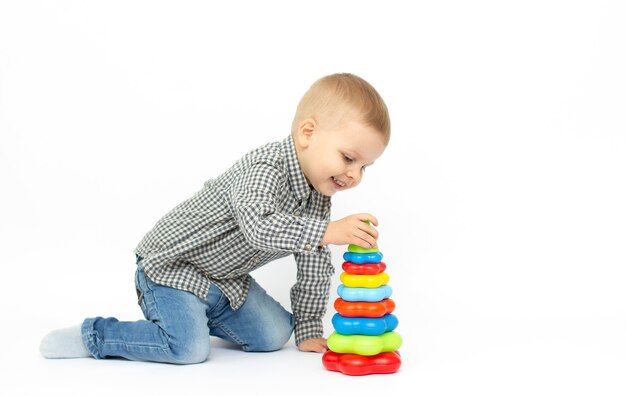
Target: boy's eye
347,159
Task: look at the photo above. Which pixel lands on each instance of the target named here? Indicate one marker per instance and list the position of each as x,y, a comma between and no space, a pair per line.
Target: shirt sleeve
253,198
309,296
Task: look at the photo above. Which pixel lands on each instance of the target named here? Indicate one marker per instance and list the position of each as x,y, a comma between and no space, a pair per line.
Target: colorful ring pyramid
364,341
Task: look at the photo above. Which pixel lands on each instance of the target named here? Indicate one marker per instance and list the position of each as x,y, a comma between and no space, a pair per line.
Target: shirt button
308,247
255,259
296,213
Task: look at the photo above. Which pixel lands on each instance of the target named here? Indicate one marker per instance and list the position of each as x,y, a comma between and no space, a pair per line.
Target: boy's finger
369,230
368,217
366,240
373,220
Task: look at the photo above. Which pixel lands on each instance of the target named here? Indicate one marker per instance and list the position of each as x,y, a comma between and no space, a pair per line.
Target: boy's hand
313,345
352,230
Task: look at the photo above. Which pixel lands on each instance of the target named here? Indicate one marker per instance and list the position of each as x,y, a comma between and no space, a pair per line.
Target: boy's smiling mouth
338,182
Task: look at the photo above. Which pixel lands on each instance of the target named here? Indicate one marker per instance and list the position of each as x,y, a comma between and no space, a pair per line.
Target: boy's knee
270,342
190,345
190,353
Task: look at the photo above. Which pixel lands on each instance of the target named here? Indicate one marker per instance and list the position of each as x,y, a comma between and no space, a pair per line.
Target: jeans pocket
140,293
216,301
139,296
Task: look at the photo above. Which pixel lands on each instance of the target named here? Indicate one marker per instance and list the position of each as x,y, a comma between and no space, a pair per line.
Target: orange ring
364,309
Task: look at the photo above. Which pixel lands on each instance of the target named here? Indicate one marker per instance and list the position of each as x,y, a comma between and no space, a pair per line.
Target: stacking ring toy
364,340
364,280
352,364
364,326
369,294
366,309
358,249
363,344
362,258
363,269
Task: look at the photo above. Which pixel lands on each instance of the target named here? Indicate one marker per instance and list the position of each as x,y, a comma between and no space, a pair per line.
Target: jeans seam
220,325
234,336
87,335
154,303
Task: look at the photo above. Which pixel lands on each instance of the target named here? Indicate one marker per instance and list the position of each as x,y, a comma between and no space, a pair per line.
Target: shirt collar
299,184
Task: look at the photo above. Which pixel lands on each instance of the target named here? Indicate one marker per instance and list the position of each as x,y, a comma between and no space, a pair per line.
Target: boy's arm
309,296
252,200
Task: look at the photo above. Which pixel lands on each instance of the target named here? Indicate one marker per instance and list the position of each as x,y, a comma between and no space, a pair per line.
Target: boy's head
339,96
340,127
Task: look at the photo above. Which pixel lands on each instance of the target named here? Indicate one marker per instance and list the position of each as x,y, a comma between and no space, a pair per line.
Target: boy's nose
354,177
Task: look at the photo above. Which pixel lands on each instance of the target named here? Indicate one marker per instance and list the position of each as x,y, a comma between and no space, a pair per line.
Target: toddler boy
193,268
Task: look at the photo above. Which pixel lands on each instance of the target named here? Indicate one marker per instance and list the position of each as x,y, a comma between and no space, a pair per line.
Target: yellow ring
369,281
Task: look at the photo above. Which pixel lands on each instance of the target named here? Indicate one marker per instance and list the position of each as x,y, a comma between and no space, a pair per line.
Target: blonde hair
344,95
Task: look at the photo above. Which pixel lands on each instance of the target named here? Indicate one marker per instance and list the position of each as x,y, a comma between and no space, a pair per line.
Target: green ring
358,249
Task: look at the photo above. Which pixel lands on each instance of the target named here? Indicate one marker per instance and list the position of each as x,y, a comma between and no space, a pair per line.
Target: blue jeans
178,325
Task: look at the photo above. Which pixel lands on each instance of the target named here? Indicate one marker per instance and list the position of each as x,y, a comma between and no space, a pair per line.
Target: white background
500,197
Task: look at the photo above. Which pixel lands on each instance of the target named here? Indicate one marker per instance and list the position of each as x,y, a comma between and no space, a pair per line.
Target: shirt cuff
309,328
312,235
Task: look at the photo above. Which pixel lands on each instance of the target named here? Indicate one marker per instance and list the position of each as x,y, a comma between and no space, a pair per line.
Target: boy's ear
305,131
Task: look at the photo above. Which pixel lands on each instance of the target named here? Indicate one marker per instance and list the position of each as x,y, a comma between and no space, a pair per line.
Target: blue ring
369,294
363,258
364,326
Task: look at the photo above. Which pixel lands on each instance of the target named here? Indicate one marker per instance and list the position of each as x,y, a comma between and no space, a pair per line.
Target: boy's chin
327,191
328,188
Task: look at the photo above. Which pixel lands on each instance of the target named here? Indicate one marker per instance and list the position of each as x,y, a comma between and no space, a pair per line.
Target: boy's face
333,157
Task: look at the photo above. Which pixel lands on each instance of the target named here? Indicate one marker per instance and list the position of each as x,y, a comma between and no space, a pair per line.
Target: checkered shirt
259,210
